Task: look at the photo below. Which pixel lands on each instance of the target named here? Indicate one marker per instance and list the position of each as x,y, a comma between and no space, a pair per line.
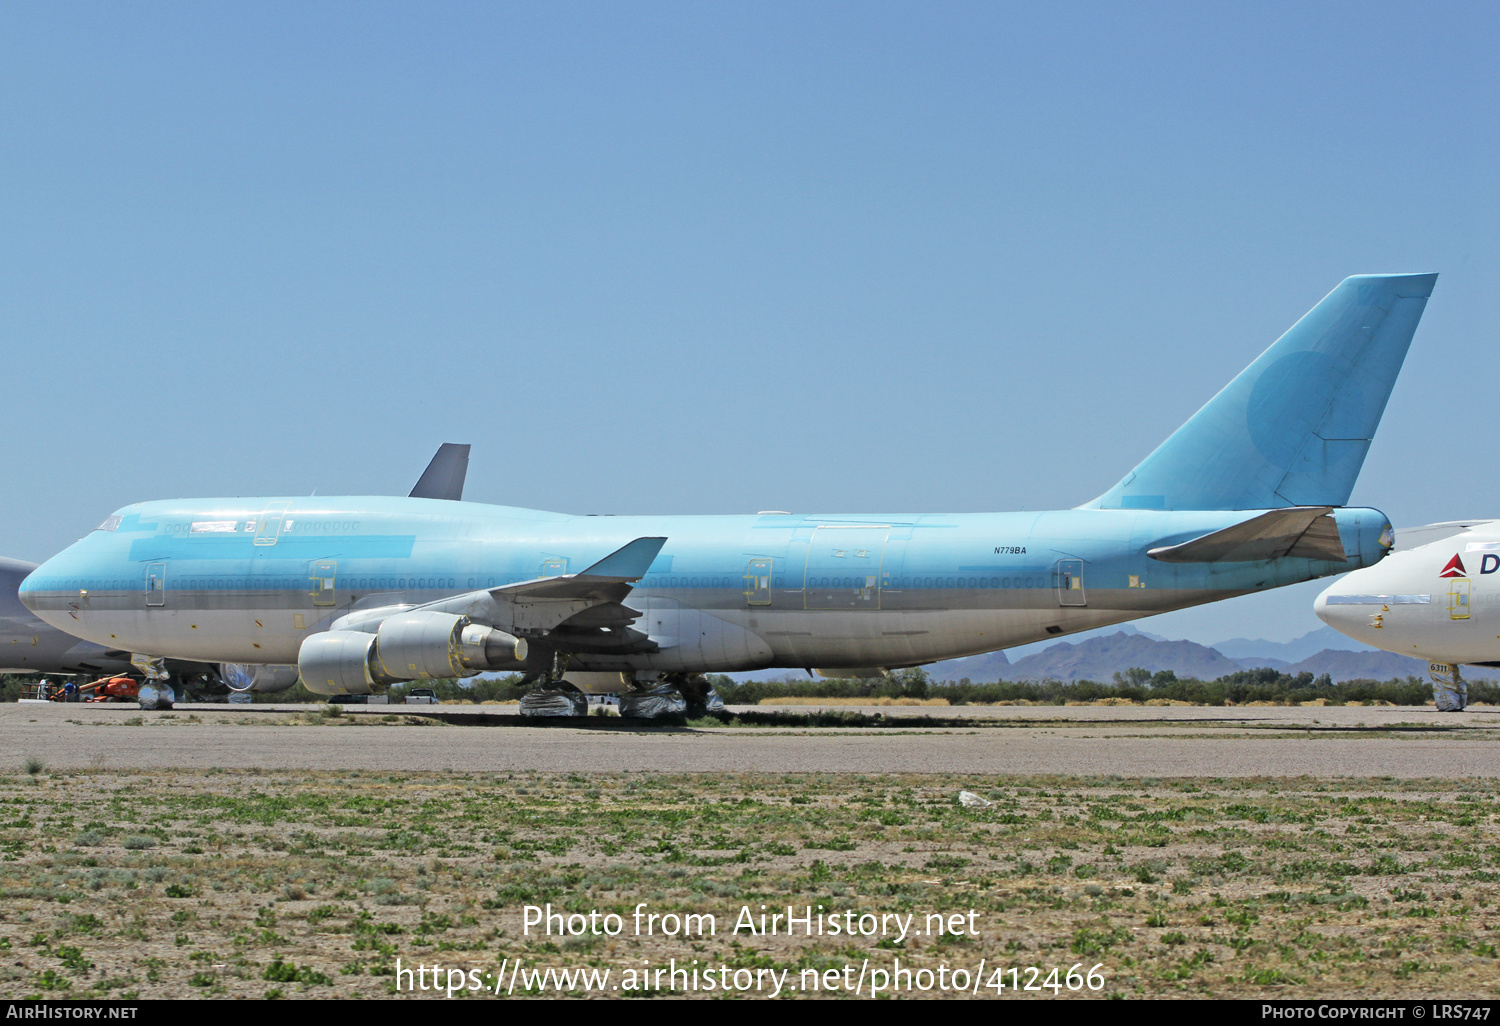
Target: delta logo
1488,564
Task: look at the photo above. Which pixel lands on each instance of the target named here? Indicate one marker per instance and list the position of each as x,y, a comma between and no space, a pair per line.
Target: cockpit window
110,524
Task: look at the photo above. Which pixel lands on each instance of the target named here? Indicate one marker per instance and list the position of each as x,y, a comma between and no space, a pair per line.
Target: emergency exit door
1068,577
324,578
758,583
156,584
1460,590
268,525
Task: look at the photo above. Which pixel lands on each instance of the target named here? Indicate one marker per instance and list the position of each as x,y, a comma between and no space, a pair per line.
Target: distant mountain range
1310,644
1100,657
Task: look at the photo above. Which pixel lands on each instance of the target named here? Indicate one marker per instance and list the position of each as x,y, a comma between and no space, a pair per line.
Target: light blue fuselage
226,580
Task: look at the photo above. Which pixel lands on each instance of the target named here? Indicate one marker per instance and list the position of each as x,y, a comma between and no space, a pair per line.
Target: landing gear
555,699
156,694
702,699
553,696
652,702
156,690
1449,691
672,694
650,696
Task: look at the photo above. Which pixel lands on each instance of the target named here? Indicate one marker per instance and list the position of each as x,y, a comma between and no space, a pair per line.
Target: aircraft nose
1323,610
28,592
1343,607
43,591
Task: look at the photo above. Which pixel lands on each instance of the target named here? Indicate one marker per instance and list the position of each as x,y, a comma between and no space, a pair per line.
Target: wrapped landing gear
1449,691
653,702
559,699
678,694
702,699
156,694
156,690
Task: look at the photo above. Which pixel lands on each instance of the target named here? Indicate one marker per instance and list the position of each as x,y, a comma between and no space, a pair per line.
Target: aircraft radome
362,592
1436,597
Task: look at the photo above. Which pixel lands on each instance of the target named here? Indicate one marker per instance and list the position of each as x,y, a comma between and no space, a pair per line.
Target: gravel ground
1090,740
172,883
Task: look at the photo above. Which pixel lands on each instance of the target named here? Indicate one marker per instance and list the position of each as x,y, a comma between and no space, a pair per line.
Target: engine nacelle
408,646
259,677
425,644
340,663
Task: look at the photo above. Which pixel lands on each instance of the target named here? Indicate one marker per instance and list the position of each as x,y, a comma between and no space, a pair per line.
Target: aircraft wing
585,609
1305,532
1411,537
444,476
623,567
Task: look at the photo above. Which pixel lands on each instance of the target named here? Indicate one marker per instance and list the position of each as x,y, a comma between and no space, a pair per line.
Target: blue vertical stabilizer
1294,427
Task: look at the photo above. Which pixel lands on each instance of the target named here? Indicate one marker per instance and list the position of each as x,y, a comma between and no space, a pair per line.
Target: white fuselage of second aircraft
1439,601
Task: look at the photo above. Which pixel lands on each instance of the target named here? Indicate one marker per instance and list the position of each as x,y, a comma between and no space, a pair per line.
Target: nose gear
1450,691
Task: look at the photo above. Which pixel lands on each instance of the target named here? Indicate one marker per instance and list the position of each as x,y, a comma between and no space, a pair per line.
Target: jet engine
267,677
407,646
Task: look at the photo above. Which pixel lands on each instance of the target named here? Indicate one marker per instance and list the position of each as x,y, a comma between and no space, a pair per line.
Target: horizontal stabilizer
1302,532
444,476
624,566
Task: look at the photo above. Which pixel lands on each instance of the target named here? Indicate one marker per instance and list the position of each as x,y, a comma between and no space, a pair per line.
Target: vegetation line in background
1136,685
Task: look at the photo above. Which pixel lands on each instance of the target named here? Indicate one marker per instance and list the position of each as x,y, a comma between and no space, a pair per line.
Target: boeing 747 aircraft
359,593
1436,598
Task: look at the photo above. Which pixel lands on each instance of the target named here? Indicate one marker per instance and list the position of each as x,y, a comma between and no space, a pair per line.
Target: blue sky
719,258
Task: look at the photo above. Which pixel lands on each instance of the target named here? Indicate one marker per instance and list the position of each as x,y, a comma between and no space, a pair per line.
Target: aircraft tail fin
444,476
1293,428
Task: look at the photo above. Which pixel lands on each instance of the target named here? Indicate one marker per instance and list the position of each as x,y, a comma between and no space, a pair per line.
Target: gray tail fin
444,476
1293,428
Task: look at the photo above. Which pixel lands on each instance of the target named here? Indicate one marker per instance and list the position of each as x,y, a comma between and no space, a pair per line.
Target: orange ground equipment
112,689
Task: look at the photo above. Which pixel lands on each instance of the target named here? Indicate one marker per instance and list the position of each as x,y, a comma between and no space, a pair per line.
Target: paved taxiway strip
1134,749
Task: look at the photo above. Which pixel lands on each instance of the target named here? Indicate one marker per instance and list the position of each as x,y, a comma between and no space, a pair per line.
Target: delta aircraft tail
1293,428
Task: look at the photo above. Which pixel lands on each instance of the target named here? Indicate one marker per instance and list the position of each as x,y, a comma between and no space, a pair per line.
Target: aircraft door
268,524
843,567
1067,576
156,584
324,577
1459,592
554,567
758,583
